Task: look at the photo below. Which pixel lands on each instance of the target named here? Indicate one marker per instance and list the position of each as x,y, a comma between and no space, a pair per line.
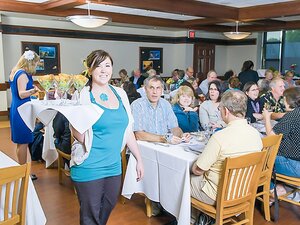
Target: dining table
80,116
34,211
167,176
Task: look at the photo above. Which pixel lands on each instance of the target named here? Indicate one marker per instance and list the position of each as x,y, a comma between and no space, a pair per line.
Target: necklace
104,97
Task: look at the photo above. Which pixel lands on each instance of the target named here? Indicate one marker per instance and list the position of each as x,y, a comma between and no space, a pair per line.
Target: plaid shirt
276,106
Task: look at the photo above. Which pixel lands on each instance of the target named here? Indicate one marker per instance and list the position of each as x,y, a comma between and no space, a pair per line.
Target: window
272,50
291,53
281,50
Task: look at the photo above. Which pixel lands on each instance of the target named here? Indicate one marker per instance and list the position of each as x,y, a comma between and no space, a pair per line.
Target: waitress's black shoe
33,177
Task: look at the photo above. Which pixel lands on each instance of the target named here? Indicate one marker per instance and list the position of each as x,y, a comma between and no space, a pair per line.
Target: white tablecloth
49,153
34,212
166,180
82,117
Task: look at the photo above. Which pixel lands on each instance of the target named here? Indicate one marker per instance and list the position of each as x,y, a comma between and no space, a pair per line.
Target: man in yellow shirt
236,139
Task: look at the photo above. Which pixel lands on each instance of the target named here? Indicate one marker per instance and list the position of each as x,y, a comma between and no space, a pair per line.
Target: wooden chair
15,179
124,167
292,182
236,191
61,165
270,146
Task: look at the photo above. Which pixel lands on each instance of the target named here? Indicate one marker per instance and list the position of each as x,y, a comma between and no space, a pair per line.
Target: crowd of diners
246,99
145,107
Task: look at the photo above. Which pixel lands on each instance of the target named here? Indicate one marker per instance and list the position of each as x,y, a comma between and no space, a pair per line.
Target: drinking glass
46,82
268,106
63,84
79,81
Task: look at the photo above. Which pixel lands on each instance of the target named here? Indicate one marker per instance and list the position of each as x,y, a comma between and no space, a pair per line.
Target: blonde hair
276,74
181,91
29,65
289,74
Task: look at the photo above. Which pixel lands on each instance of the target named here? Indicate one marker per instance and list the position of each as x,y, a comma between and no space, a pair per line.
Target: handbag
204,219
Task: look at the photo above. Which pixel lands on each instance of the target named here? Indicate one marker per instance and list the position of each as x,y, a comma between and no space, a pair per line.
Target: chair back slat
270,146
239,178
15,196
239,182
15,181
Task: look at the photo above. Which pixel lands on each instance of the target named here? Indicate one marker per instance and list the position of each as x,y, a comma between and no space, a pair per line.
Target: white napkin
81,117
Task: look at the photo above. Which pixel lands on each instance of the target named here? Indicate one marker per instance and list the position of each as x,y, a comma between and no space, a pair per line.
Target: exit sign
191,34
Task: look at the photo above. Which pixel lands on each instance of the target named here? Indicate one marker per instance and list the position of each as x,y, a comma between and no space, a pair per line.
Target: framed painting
49,56
151,58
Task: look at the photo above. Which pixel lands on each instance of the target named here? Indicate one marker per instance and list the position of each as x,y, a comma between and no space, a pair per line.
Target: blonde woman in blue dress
21,84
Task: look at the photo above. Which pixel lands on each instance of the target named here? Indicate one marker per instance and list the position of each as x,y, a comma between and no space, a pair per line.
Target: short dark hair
228,74
292,97
155,78
248,85
219,87
123,71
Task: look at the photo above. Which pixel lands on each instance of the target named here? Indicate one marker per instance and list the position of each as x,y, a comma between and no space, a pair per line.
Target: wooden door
204,59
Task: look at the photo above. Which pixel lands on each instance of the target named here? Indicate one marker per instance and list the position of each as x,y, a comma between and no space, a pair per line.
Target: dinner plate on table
194,146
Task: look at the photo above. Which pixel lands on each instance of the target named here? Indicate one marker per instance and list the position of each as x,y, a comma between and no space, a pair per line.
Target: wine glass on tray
79,81
63,84
46,82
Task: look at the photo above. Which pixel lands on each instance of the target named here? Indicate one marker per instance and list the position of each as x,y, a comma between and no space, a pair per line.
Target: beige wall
233,57
125,54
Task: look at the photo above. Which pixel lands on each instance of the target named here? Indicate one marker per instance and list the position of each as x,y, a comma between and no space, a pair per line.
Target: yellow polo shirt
238,138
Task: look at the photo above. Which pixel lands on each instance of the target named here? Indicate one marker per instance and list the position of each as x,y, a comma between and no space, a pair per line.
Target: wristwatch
168,137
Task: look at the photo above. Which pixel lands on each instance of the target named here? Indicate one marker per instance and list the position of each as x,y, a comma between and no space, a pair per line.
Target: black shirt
289,126
246,76
253,106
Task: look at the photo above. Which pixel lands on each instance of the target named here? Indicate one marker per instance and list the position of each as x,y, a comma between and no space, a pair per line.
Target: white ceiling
242,3
137,12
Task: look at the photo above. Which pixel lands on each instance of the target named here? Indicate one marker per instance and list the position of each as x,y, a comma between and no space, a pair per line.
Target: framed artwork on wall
49,56
151,58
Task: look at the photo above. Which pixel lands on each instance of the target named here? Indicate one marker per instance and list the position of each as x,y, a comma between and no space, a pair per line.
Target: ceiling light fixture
236,35
88,21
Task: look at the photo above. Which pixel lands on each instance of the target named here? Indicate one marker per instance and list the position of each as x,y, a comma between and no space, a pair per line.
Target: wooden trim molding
4,86
4,113
48,32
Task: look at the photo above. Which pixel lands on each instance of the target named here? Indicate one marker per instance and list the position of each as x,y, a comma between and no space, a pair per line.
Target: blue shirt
104,159
158,120
188,121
